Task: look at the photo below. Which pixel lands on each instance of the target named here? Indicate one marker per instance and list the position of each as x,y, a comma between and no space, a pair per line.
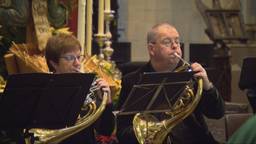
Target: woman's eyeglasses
72,58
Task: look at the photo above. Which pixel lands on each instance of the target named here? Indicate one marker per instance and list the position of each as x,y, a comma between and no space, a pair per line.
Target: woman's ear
53,64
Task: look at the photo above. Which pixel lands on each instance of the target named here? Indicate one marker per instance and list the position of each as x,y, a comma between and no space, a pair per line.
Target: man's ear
151,49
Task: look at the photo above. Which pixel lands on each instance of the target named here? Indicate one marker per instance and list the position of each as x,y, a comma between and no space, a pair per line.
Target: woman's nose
77,61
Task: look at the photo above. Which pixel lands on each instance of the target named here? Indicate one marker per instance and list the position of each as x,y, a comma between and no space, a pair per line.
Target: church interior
219,34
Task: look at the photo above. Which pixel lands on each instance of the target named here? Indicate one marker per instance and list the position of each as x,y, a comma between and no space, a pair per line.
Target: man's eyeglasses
72,58
167,42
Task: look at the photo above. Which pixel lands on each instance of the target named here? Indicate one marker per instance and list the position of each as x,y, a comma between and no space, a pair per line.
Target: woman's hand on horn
104,87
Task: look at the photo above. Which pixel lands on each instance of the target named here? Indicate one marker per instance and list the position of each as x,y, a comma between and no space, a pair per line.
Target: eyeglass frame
72,58
170,42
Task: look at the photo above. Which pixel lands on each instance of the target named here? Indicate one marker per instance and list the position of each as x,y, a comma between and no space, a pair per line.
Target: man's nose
174,45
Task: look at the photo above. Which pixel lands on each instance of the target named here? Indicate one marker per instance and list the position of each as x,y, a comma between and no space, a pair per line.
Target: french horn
2,84
148,129
47,136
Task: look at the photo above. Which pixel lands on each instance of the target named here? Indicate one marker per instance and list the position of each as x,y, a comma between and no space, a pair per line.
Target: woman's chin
76,71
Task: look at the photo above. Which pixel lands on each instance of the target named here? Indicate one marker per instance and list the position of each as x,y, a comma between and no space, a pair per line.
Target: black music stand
248,74
248,80
156,92
41,100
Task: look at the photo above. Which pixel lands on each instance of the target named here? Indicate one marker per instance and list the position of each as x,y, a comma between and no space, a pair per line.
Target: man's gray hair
151,35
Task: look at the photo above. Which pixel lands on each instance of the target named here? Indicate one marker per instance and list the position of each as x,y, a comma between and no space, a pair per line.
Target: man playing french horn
63,55
165,55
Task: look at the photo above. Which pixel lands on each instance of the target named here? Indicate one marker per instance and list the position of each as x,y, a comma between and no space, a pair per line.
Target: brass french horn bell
148,129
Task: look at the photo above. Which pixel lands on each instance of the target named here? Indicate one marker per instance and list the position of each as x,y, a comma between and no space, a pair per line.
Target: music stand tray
156,92
41,100
248,71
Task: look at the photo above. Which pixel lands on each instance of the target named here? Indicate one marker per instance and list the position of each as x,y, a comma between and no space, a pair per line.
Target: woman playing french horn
165,55
63,55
